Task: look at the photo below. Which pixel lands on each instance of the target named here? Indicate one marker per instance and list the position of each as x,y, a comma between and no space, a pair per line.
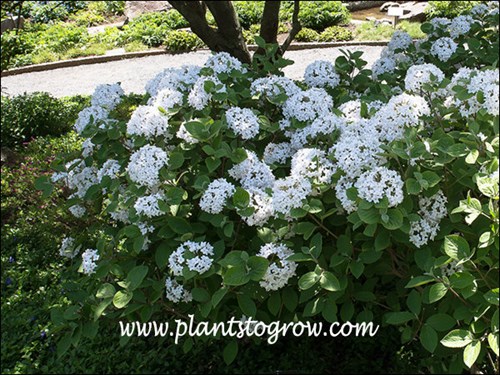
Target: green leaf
236,275
441,322
493,341
458,338
122,298
308,280
401,317
175,160
64,344
230,352
257,267
106,291
436,292
456,247
471,352
305,228
369,216
357,268
472,157
162,254
135,276
179,225
218,296
329,282
241,198
428,338
200,295
419,280
71,313
44,184
247,305
432,178
395,220
198,130
290,299
274,303
414,302
492,296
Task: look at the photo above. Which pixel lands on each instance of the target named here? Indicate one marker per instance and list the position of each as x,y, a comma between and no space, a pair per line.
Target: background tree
228,36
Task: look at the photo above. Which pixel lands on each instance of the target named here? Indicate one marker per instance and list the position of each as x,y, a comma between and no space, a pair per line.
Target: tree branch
270,21
296,27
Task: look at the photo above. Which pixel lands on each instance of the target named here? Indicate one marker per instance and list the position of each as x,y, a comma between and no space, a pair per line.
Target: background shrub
335,34
448,9
307,35
317,15
37,114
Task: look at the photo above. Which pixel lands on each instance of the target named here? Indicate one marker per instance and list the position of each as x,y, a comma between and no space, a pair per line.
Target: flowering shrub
355,195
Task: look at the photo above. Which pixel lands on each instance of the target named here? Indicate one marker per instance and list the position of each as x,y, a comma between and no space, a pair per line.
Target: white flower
460,25
198,97
243,122
87,148
175,292
148,122
378,183
452,268
89,257
107,96
308,105
77,210
145,164
81,178
431,211
183,134
252,173
196,256
322,126
182,79
399,40
223,62
167,99
215,196
90,115
382,66
343,184
321,74
277,153
280,269
273,86
289,193
110,168
418,75
262,204
148,205
68,248
443,48
311,163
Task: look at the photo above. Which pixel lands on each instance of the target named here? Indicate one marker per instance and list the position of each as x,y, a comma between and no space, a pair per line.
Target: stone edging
131,55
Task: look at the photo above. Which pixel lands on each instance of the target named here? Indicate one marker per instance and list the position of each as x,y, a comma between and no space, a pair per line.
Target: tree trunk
227,37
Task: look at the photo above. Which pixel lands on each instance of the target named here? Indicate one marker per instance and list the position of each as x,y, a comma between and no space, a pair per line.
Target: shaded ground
135,73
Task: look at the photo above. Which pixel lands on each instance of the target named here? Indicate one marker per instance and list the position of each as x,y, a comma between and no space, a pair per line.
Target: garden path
135,73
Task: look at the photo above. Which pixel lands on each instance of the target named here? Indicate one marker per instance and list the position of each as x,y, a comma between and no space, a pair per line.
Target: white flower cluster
148,205
182,79
400,40
460,25
252,173
89,259
77,210
380,182
273,86
322,126
243,121
104,99
110,168
176,292
183,134
196,256
312,164
418,75
214,197
223,62
107,96
280,269
68,248
199,97
452,268
277,153
261,202
289,193
321,74
383,65
431,211
443,48
476,81
148,122
308,105
80,178
145,164
167,99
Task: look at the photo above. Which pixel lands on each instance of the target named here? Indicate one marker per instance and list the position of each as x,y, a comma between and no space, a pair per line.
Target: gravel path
134,73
